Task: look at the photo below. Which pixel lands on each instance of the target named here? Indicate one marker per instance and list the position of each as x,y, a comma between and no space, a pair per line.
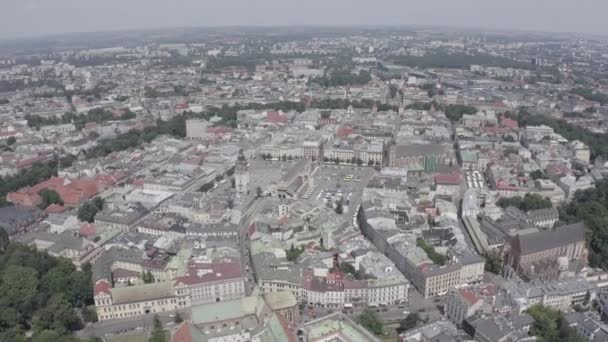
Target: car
406,312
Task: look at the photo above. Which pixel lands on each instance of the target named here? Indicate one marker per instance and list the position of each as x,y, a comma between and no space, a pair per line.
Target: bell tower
241,175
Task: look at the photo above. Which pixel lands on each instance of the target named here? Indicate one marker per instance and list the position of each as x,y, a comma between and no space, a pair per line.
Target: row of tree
526,203
342,77
457,61
454,112
591,95
98,115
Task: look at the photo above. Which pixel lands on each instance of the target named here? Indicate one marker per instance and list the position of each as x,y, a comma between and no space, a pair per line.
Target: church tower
241,175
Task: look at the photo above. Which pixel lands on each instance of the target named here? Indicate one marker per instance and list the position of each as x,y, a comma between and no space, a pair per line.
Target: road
118,326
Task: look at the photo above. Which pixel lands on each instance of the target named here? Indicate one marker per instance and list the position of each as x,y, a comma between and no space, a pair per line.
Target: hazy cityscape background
42,17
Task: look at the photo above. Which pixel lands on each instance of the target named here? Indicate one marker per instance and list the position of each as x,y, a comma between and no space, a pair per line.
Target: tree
550,326
459,60
591,207
455,112
493,263
4,239
58,315
508,138
206,187
178,318
347,268
339,208
409,322
430,252
341,77
11,140
147,277
38,293
370,321
537,174
158,333
89,314
98,202
12,335
392,90
49,197
591,95
293,253
258,191
87,212
527,203
19,286
47,336
511,150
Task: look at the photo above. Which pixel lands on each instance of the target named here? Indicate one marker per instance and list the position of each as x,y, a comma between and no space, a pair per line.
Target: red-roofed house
276,117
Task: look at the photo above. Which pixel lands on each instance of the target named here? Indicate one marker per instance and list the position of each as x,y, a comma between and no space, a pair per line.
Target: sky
19,18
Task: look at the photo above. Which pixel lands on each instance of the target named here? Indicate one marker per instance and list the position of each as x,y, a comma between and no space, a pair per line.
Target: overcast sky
40,17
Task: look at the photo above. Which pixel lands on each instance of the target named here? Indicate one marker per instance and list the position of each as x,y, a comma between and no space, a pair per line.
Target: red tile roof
73,193
123,273
183,334
55,209
453,178
199,273
87,229
469,296
276,117
102,286
510,123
